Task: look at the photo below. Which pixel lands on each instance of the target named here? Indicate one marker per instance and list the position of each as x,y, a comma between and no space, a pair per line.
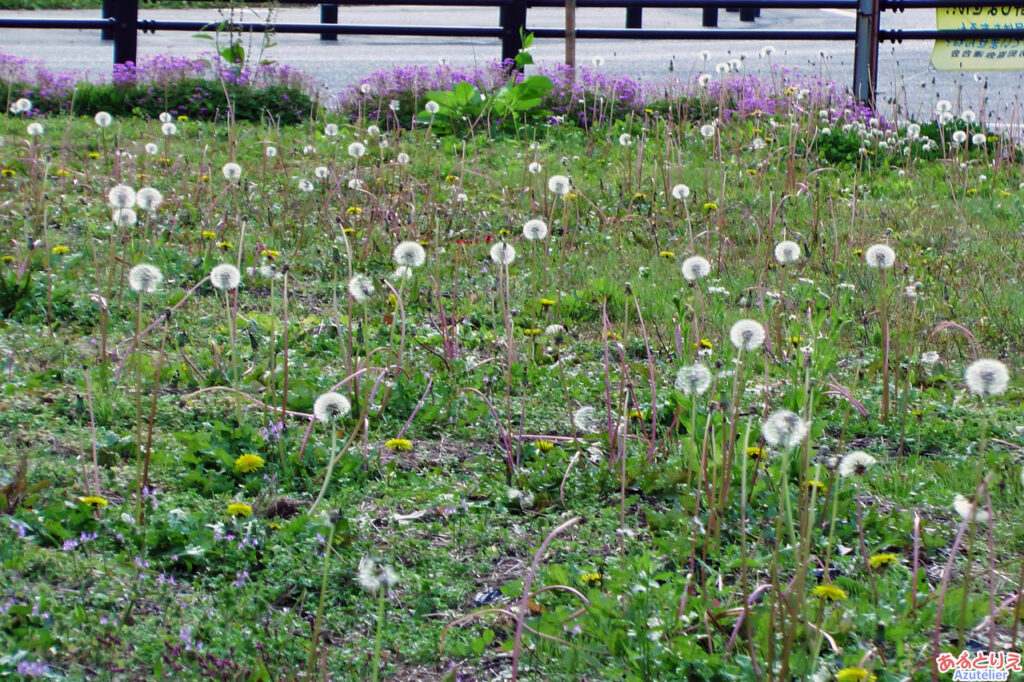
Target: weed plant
648,388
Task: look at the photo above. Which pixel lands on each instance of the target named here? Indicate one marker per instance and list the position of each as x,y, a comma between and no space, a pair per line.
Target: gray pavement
907,83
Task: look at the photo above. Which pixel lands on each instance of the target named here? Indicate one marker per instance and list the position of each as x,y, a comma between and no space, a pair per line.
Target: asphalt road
906,79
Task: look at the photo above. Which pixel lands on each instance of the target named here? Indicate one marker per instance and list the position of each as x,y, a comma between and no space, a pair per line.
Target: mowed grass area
496,385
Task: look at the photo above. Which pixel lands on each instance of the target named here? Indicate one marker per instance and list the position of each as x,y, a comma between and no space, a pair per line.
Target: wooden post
570,35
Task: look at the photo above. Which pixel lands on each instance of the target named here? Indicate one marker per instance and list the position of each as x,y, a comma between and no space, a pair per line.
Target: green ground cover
501,379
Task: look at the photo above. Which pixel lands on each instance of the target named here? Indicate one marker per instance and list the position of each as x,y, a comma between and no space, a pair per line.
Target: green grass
660,580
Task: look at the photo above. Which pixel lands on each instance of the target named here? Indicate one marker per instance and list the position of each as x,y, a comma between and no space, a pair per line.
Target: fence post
126,30
107,12
710,17
865,55
512,18
329,15
634,17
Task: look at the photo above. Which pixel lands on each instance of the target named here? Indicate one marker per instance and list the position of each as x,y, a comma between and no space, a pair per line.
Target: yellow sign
979,54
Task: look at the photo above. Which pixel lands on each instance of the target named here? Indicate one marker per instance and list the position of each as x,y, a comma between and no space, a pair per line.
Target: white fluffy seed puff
784,429
696,267
747,335
880,256
225,277
987,377
331,406
144,278
787,252
360,288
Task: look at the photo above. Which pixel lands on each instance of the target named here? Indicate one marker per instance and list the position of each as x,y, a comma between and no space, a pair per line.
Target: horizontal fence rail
121,23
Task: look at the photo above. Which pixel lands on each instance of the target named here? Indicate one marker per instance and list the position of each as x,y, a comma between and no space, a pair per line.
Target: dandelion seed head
693,379
121,196
305,186
402,159
968,116
966,509
152,148
625,139
124,217
149,199
225,277
695,268
231,171
787,252
534,168
432,107
331,406
707,131
535,229
986,377
168,129
321,173
410,254
784,429
21,106
585,419
680,192
855,463
559,184
929,357
979,140
34,129
360,288
331,130
355,183
747,335
503,253
165,117
880,256
144,278
356,150
103,119
374,575
959,137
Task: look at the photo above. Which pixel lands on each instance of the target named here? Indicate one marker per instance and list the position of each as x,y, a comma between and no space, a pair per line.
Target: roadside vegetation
471,377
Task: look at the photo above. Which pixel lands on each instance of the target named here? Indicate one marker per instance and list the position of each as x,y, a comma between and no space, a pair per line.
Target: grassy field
330,404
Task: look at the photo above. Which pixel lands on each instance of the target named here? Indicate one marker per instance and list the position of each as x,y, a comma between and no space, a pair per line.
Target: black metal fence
120,22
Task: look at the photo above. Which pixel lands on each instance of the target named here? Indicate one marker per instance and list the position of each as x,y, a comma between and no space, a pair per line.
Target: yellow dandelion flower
164,161
703,343
450,178
790,91
353,210
751,171
270,253
636,414
349,230
239,509
392,300
6,259
94,155
816,485
225,245
639,196
274,525
855,675
532,331
7,173
796,340
710,206
829,592
972,191
183,118
544,445
59,250
648,111
570,195
547,302
93,501
1003,193
209,235
62,173
504,233
668,255
248,463
590,578
755,452
399,444
204,178
858,252
882,560
613,336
